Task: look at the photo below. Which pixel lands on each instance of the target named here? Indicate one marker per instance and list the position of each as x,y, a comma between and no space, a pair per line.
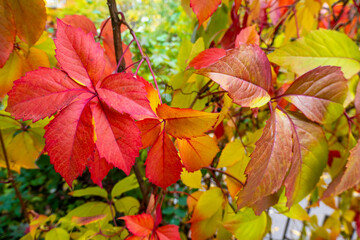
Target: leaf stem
225,173
123,56
12,180
180,192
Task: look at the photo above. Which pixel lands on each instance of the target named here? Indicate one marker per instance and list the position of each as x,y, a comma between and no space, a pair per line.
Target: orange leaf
248,35
197,152
139,225
186,123
7,32
204,9
150,129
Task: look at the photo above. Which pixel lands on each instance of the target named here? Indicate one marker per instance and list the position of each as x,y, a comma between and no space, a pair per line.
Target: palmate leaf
95,135
244,73
347,178
319,94
319,48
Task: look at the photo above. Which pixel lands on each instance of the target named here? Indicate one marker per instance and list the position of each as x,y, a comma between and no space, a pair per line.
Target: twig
141,183
225,173
201,91
12,180
116,24
180,192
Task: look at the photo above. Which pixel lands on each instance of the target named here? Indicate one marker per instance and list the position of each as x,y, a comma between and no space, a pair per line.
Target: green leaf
90,191
57,234
319,48
127,205
124,185
246,225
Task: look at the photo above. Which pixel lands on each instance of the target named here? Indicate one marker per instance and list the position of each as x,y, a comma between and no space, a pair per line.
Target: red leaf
207,57
357,99
204,9
125,94
140,225
245,73
163,165
347,178
319,93
168,232
79,55
7,32
99,168
117,137
41,93
270,160
150,129
82,22
247,35
71,150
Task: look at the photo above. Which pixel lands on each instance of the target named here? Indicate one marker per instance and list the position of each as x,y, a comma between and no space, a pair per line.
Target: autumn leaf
204,9
81,94
197,153
150,129
348,177
244,73
319,94
270,160
207,57
186,123
247,35
163,165
7,32
80,21
319,48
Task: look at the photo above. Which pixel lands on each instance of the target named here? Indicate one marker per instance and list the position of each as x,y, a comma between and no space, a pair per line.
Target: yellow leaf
11,71
207,205
238,171
233,152
197,152
192,180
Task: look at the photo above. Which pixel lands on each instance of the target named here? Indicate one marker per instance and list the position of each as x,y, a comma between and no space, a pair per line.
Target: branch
12,181
116,24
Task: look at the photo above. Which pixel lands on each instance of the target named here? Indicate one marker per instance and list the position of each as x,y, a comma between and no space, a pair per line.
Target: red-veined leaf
347,178
82,22
126,94
204,9
245,73
117,137
79,55
150,129
41,93
186,123
319,93
71,150
163,165
140,225
7,32
30,19
207,57
197,152
270,160
168,232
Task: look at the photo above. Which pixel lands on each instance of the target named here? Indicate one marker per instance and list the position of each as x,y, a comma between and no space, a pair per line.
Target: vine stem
12,180
225,173
116,24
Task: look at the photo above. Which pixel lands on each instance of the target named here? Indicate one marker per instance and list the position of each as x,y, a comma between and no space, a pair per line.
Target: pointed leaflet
79,55
163,165
349,177
7,32
71,150
197,152
99,168
126,94
319,94
140,225
207,57
303,175
204,9
117,137
270,160
150,129
247,35
30,19
79,21
319,48
168,232
245,73
152,93
41,93
186,123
